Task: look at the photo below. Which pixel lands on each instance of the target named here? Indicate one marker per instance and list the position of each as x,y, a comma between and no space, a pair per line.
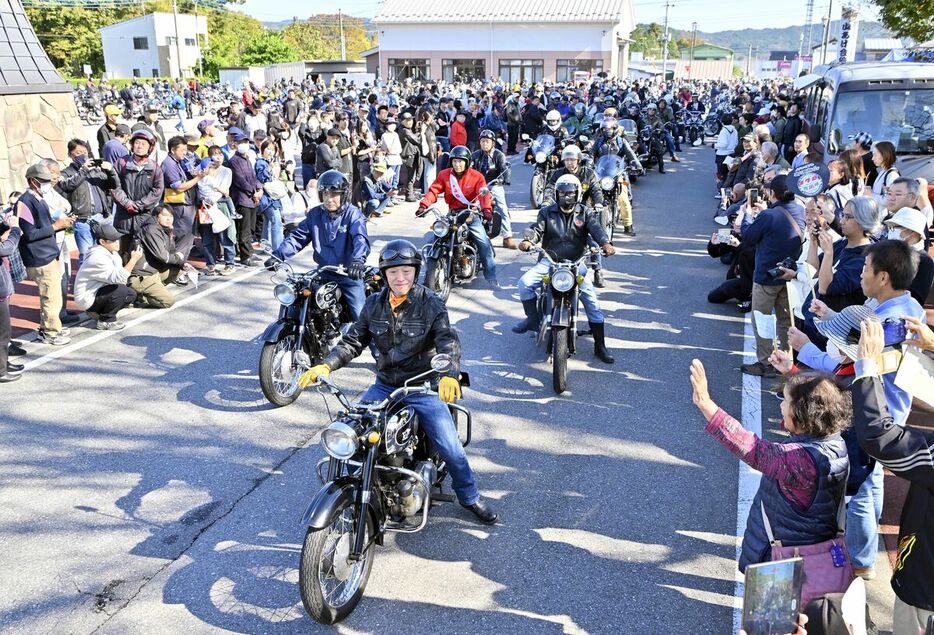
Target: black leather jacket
76,184
491,167
564,236
406,341
592,193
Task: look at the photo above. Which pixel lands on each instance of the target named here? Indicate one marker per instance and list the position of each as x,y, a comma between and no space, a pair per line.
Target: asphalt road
146,486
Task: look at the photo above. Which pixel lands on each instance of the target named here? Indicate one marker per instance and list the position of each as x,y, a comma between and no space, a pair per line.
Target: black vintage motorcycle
545,157
557,300
381,476
611,174
452,255
652,148
694,127
311,314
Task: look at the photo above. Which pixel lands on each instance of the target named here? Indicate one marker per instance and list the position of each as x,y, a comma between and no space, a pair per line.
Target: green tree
908,18
228,34
267,47
319,37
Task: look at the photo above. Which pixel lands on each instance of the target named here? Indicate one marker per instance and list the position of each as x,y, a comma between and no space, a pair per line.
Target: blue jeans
862,520
500,209
445,143
532,279
353,291
376,207
83,238
429,172
436,421
207,241
272,225
670,143
484,248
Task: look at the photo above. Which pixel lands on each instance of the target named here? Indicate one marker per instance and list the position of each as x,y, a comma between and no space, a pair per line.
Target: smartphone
930,627
753,196
724,235
772,599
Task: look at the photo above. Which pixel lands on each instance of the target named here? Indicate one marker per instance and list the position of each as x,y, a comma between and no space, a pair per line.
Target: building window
567,68
155,72
518,71
170,40
409,68
141,44
136,72
462,70
190,41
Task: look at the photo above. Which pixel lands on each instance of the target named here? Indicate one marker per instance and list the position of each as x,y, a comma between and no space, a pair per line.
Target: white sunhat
909,218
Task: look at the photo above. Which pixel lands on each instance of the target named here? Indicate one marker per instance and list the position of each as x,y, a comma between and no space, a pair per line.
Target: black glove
357,270
421,211
271,264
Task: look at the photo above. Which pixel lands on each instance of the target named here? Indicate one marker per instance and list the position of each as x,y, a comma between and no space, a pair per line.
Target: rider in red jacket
461,186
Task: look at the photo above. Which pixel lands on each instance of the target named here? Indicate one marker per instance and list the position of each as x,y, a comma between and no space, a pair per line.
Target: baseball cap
863,138
122,129
234,131
909,218
334,132
238,134
750,137
405,115
378,166
39,172
111,109
204,123
106,231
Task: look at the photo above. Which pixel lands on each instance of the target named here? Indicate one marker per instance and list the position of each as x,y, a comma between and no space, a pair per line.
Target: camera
787,263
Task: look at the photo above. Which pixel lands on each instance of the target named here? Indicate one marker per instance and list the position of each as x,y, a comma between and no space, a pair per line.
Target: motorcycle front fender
278,329
331,498
561,315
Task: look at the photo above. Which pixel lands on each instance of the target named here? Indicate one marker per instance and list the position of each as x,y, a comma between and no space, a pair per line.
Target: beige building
513,40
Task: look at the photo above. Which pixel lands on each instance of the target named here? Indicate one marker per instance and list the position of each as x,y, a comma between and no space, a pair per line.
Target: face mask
243,148
835,354
45,188
81,159
894,234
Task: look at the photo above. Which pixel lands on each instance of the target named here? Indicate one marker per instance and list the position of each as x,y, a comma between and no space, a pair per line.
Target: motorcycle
633,169
311,315
381,476
652,147
557,302
452,257
611,174
543,153
694,128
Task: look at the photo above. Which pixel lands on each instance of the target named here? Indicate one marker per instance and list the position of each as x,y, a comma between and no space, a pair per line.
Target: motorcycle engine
411,496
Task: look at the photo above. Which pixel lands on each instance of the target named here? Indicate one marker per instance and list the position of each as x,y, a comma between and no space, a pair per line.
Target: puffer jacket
406,341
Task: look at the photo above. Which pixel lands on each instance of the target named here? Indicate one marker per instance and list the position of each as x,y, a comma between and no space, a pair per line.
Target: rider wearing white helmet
553,126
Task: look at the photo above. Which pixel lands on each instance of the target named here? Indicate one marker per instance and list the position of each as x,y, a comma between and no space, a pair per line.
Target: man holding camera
86,183
776,233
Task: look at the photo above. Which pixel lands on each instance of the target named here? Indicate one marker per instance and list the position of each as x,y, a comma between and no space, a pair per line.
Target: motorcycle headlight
607,183
285,293
562,280
540,157
439,228
340,441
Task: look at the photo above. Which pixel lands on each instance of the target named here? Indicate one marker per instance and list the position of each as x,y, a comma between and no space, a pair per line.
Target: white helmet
571,152
566,183
553,120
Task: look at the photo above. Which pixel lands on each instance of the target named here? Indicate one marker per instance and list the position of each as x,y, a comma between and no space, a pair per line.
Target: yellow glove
311,376
449,390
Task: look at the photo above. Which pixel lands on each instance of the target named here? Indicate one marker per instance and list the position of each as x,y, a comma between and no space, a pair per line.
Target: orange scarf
395,303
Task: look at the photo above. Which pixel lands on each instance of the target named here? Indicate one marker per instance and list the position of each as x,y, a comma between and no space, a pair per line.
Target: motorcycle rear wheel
559,358
276,387
324,562
437,280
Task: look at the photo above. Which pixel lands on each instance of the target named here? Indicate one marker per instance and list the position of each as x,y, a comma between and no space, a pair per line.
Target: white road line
150,314
747,478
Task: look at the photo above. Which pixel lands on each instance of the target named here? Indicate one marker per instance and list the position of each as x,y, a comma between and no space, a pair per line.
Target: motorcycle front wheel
276,372
331,585
436,279
537,189
559,358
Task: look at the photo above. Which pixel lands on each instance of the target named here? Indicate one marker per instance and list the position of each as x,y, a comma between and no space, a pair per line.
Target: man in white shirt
101,285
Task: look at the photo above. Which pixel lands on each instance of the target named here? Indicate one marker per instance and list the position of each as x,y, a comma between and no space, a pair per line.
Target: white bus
892,101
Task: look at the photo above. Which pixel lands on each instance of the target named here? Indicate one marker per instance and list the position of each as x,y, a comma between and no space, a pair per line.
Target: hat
405,115
39,172
122,130
909,218
844,327
234,131
334,132
152,107
863,138
838,613
192,138
750,137
205,163
378,166
106,231
204,123
238,134
111,109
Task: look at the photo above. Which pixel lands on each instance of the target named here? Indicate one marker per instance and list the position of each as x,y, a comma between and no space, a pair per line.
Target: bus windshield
904,117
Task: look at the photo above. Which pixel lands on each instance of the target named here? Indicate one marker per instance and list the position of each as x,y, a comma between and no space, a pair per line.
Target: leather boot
510,243
599,343
532,318
598,280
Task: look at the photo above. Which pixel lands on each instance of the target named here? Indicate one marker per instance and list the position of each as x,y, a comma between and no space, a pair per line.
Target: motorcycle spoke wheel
277,371
559,359
331,585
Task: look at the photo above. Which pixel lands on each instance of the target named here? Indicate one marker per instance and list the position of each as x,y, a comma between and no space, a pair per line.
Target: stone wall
32,127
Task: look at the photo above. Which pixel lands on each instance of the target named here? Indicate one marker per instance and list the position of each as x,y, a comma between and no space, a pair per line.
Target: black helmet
488,134
333,181
459,152
399,253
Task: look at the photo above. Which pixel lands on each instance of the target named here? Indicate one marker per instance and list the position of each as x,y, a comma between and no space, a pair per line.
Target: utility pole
808,21
178,48
693,44
748,60
340,18
826,42
665,45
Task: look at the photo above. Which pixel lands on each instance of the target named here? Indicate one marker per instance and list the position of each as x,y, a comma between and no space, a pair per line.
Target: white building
150,45
513,40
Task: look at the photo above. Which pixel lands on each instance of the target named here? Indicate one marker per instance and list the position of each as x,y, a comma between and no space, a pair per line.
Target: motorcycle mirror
584,139
441,363
526,137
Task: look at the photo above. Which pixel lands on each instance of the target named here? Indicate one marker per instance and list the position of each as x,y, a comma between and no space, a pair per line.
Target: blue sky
710,15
